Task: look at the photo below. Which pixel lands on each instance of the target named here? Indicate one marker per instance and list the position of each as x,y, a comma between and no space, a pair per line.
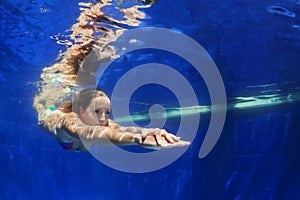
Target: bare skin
86,124
97,114
93,124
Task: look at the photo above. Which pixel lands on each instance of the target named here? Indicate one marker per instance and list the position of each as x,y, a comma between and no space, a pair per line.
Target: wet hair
82,100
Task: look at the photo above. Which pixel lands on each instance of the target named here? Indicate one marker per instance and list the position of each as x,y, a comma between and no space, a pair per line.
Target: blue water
256,46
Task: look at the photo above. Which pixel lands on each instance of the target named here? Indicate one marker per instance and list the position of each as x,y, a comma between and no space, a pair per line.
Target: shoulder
56,114
72,115
58,119
53,119
71,119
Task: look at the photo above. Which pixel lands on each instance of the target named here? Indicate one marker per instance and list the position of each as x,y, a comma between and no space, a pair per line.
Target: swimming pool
255,47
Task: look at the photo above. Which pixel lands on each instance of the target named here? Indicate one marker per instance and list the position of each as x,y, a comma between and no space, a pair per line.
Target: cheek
89,118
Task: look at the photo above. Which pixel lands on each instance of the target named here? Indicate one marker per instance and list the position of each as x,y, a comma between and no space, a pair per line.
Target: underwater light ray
237,104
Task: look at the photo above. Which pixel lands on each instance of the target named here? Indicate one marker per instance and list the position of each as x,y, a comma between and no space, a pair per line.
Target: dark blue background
257,156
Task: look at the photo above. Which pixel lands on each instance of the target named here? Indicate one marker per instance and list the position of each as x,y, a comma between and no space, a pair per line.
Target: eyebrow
108,108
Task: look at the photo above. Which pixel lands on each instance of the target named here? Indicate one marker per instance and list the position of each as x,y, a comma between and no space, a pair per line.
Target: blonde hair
82,100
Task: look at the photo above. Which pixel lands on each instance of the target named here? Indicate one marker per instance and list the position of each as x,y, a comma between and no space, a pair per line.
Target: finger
169,138
148,132
150,140
145,133
164,142
158,140
138,139
175,138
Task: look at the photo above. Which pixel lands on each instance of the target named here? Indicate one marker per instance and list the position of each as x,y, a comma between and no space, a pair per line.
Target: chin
102,124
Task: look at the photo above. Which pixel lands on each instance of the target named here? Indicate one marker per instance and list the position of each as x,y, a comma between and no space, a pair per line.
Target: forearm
131,129
97,134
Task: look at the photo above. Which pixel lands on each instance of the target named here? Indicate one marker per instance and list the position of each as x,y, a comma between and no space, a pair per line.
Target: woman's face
97,112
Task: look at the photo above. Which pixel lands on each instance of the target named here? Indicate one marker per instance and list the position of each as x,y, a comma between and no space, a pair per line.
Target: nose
102,118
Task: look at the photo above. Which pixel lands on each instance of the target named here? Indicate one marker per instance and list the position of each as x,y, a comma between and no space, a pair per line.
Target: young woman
87,119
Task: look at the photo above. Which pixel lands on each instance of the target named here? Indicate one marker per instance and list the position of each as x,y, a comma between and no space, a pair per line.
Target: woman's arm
71,123
151,136
114,132
131,129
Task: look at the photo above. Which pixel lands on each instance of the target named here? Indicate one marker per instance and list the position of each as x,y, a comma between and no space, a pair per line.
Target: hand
158,137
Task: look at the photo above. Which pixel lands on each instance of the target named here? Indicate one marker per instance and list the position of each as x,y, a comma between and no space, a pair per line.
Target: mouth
102,123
